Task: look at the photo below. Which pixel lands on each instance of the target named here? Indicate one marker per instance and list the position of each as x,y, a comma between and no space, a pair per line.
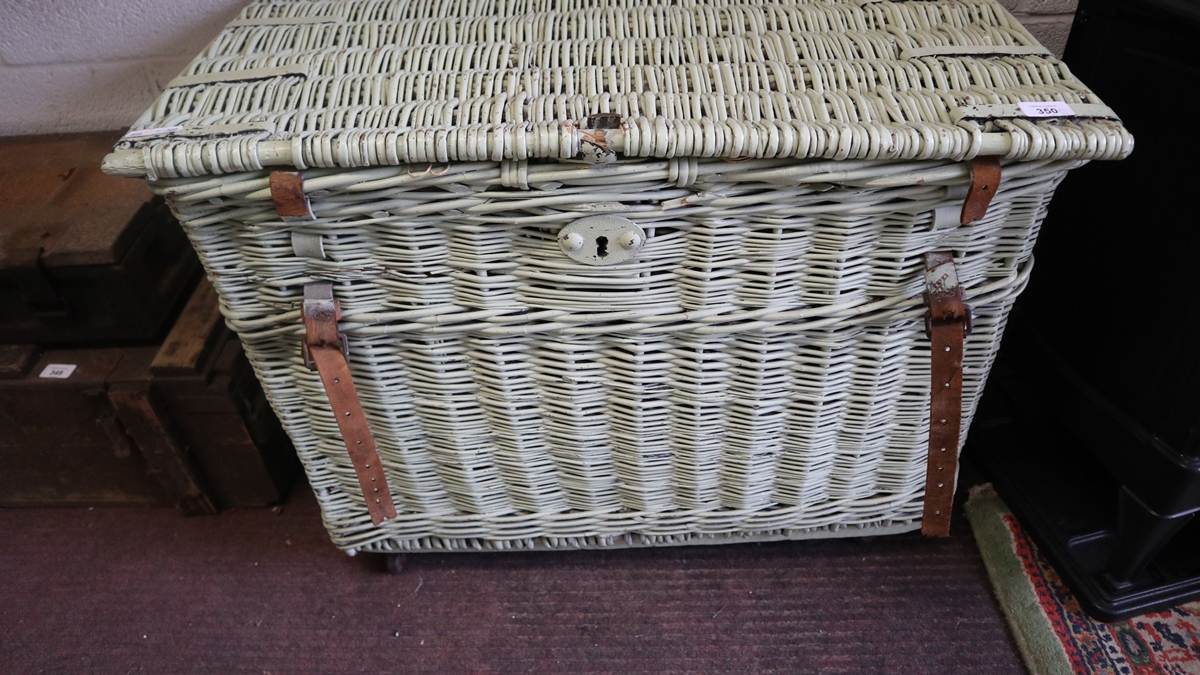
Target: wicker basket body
759,370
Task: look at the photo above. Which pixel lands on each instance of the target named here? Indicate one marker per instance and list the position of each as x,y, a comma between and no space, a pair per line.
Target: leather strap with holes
947,323
324,351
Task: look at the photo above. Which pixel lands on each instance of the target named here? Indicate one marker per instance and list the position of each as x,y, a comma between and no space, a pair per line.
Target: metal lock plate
602,240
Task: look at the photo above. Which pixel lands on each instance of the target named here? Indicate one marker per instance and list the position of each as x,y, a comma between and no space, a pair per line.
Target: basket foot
394,562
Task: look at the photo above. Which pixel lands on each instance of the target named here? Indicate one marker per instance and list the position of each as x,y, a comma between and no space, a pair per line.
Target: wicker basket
754,366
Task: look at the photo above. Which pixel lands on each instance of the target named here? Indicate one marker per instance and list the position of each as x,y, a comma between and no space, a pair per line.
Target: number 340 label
58,371
1041,109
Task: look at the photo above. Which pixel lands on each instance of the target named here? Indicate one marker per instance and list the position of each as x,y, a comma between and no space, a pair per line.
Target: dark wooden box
84,257
185,423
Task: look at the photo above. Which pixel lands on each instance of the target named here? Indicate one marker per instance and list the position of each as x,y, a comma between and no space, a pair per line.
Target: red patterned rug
1053,633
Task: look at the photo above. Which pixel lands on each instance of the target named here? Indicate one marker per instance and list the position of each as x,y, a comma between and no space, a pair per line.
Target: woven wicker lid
357,83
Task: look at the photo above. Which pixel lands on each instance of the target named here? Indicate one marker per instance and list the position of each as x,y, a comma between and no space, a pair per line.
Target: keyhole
601,246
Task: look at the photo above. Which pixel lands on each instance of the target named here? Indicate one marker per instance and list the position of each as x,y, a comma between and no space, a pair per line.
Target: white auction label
1042,109
58,371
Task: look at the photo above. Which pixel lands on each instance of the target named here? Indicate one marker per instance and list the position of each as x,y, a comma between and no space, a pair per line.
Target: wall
1049,20
90,65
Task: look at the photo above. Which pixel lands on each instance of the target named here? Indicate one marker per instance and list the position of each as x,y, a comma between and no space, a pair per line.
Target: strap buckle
944,295
321,314
968,318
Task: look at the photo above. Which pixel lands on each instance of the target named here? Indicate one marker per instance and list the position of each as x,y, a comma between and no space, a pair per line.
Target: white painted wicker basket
759,368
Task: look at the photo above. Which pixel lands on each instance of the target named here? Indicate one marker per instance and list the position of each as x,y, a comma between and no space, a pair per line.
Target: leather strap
287,191
947,323
985,181
324,351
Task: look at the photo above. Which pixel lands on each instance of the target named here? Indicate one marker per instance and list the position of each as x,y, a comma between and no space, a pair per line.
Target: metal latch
602,240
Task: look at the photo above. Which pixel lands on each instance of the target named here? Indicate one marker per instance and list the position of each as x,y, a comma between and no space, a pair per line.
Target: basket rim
763,96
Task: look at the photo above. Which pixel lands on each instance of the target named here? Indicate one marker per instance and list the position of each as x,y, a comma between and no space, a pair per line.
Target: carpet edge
1040,648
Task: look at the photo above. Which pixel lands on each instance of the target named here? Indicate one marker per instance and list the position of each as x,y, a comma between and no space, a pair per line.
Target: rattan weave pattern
762,370
759,371
360,83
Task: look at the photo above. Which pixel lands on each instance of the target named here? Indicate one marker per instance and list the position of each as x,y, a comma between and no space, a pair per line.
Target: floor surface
250,591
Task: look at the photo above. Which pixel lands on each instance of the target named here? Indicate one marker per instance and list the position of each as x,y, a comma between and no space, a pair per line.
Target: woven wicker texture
762,368
759,370
367,83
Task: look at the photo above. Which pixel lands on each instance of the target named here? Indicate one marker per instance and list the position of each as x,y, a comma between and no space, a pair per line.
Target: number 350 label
1053,109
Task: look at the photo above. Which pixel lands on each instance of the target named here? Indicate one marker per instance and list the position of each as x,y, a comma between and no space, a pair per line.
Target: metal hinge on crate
948,323
326,351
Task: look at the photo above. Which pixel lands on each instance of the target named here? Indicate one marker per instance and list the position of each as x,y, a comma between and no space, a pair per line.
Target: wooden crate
84,257
184,423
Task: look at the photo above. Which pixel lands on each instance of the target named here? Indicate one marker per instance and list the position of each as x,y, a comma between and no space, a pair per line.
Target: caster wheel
394,562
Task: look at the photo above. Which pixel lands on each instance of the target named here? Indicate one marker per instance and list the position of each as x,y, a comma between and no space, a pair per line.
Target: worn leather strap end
360,444
985,182
943,294
945,428
324,348
947,322
287,191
